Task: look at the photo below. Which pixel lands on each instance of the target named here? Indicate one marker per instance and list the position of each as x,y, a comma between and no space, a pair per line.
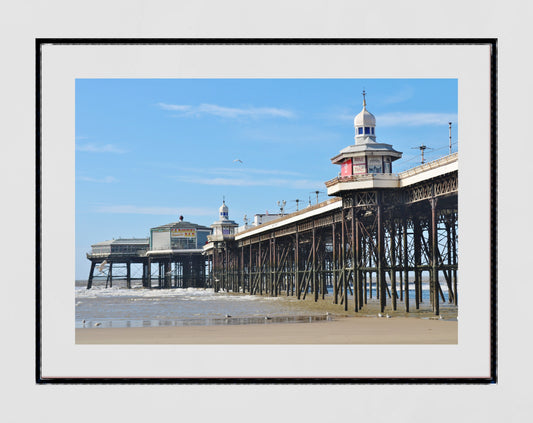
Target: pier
378,237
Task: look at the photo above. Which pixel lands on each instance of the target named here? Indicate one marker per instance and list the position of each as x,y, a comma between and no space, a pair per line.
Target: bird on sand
380,315
268,318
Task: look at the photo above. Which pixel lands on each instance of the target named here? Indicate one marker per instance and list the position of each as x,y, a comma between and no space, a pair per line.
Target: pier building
174,248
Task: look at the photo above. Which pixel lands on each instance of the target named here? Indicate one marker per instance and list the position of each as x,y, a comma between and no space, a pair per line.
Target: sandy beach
346,330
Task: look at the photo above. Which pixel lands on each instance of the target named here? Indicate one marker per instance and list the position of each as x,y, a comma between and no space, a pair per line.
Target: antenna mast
316,193
450,128
422,148
297,202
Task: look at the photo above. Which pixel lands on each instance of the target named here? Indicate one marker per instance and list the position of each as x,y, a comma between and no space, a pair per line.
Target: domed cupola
365,125
223,211
223,228
366,155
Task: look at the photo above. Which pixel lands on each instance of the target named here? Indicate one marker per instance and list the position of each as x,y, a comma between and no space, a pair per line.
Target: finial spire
364,99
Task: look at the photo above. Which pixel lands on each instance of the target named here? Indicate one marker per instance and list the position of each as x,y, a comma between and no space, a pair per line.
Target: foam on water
119,307
138,307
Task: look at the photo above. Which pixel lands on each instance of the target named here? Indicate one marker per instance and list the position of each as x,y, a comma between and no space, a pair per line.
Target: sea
119,307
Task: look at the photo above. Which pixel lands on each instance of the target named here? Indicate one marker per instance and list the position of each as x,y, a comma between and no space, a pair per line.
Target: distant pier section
174,249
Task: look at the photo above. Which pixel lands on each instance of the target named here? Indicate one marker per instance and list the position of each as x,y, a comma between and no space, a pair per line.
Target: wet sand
344,330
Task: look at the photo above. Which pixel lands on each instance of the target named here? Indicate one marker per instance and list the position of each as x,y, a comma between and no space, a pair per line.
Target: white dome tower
365,125
223,211
366,155
223,228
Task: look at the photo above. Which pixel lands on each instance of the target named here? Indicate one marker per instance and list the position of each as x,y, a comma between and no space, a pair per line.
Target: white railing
365,177
430,165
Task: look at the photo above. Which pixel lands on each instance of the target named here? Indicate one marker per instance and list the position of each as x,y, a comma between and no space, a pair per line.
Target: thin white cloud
415,119
244,170
226,112
94,148
399,97
106,180
250,182
238,169
154,210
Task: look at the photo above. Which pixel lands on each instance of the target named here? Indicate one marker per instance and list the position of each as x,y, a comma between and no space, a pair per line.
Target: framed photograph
157,155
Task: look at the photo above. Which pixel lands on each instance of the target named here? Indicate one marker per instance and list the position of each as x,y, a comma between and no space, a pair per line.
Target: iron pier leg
314,276
418,251
214,269
91,273
297,264
365,285
241,273
250,289
343,254
434,256
448,273
128,275
260,270
454,259
110,276
358,292
167,269
149,274
393,264
400,256
381,241
406,264
334,242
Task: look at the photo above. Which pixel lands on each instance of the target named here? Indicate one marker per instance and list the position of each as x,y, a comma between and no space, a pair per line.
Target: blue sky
149,150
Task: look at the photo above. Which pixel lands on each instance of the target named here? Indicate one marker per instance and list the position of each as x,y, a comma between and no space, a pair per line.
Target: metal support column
434,281
405,264
394,294
380,253
91,274
358,291
313,267
297,264
417,240
334,267
128,275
